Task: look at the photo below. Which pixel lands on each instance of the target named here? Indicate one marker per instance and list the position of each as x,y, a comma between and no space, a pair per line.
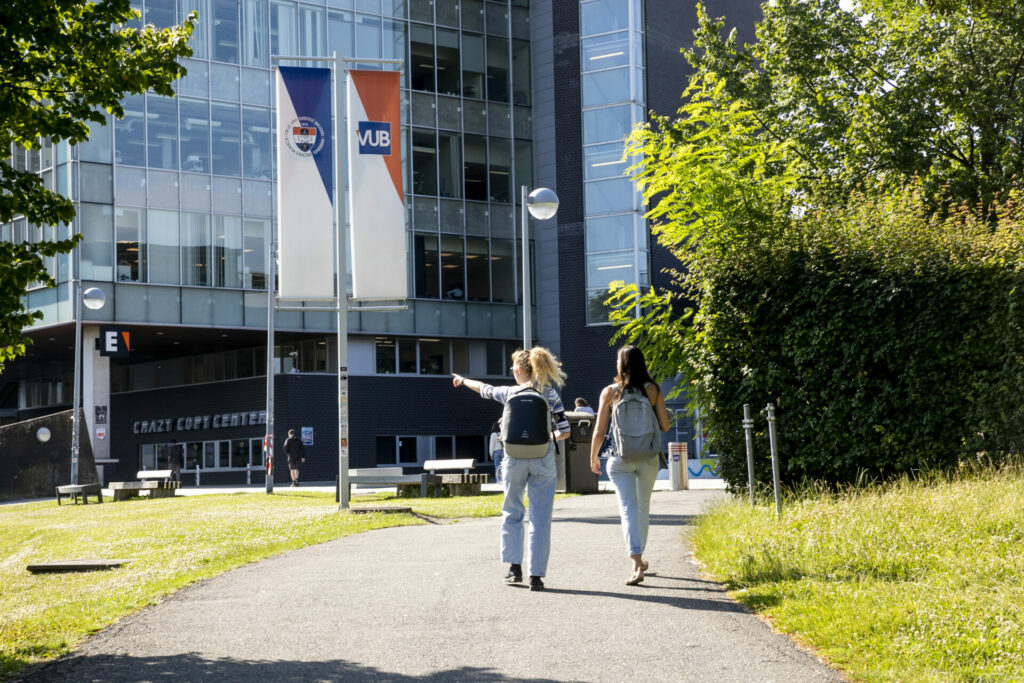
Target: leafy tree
890,90
63,63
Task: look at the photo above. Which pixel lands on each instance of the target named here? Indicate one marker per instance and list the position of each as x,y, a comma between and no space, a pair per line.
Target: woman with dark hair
632,476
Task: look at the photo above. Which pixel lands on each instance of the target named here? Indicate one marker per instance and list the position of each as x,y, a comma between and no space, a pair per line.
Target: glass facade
612,93
180,191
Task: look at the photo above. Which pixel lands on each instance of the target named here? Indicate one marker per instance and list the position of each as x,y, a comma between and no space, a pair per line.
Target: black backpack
526,424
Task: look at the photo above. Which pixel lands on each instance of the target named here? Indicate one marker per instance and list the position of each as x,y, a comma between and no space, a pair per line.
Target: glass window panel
645,274
478,277
195,136
256,142
472,15
240,453
603,269
130,233
96,182
407,355
460,357
256,452
605,51
385,353
96,148
254,247
426,266
97,249
393,43
255,33
608,233
605,87
424,162
606,124
597,312
224,454
609,196
497,69
448,62
200,35
340,33
407,450
521,72
452,273
284,28
130,132
224,81
443,449
256,197
193,455
386,454
131,185
227,251
421,58
312,31
503,266
475,167
497,18
195,249
496,359
160,13
450,164
227,195
449,113
368,35
421,10
209,455
499,169
473,69
162,228
197,82
225,31
434,357
225,122
524,163
638,85
603,161
602,16
371,6
163,189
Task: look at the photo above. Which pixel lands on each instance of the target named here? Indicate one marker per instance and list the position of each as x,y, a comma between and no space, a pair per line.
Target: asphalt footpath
428,603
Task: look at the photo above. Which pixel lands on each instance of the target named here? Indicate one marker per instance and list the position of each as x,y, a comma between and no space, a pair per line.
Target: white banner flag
376,209
305,184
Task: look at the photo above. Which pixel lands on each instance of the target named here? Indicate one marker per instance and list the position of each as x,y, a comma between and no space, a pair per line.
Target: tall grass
917,580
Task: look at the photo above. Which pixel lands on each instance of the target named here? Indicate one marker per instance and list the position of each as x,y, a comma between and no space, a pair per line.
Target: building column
96,398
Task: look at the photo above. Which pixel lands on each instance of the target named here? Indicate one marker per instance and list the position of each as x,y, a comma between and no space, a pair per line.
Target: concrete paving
428,603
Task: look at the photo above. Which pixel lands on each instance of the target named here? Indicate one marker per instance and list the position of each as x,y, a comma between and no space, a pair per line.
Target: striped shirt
501,394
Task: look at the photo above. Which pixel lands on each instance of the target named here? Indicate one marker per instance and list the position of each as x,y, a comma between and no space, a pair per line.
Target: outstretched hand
457,380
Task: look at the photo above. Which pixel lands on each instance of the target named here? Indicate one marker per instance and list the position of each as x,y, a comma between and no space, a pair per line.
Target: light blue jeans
535,477
634,481
497,456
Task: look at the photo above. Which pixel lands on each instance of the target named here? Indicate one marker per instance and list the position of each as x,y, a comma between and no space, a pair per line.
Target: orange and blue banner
305,184
376,205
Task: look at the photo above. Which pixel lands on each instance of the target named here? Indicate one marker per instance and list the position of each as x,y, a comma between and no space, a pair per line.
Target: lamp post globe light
542,204
93,298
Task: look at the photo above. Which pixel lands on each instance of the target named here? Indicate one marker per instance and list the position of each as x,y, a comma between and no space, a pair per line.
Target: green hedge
890,342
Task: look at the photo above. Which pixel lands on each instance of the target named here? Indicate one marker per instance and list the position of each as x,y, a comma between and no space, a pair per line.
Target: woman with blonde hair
632,473
531,405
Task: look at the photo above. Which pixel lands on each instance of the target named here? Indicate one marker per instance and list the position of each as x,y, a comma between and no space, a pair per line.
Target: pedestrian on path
296,453
635,407
495,449
531,405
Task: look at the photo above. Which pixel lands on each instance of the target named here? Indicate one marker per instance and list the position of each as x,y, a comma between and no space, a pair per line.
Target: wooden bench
73,491
386,476
159,483
460,483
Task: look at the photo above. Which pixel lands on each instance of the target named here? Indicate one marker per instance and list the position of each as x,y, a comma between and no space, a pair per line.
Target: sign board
101,432
114,342
101,415
307,436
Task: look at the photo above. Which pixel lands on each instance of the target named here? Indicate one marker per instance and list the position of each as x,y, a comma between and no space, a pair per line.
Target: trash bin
578,477
677,474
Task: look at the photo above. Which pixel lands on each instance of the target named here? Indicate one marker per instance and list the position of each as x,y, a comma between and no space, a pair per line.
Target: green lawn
172,542
916,581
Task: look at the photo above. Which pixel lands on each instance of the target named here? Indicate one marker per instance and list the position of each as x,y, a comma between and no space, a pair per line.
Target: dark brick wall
29,468
383,406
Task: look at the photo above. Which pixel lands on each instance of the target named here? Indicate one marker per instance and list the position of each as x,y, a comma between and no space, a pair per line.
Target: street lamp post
542,204
93,298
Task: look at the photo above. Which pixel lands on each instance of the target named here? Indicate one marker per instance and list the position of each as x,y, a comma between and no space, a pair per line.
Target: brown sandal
636,578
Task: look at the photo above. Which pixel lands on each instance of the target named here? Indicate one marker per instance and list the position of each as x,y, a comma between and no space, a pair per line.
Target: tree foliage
64,63
841,196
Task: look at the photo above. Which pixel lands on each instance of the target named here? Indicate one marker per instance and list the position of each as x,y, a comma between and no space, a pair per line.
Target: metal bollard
748,429
197,474
248,475
775,459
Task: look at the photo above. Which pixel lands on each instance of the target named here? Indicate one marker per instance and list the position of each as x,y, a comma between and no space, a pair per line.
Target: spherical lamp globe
94,298
542,203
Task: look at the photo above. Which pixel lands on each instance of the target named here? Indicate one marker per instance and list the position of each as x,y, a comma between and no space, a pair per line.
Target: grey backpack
634,426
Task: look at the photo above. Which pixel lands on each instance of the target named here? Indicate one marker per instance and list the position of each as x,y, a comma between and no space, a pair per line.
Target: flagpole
340,142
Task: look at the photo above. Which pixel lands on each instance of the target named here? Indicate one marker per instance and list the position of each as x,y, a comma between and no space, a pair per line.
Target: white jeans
535,476
634,482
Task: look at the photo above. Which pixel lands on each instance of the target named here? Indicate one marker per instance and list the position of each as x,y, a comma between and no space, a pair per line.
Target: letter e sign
114,342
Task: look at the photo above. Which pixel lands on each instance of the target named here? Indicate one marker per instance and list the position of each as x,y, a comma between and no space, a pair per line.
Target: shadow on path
191,667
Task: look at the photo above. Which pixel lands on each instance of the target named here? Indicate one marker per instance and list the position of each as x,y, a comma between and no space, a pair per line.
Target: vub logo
374,137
